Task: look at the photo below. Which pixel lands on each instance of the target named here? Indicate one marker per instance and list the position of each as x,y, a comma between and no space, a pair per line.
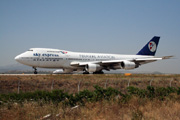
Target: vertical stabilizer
150,48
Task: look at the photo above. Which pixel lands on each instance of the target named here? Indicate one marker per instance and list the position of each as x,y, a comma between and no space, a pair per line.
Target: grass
69,83
135,109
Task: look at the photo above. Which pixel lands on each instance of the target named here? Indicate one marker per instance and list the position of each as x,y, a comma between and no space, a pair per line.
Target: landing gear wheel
35,70
85,72
98,72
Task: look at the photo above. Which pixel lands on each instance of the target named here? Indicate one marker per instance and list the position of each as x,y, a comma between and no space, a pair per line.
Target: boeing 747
70,61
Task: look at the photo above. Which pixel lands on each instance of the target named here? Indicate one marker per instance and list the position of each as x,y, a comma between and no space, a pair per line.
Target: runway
25,74
39,74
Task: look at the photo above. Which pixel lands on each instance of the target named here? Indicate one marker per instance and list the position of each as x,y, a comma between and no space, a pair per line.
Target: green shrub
178,91
84,96
137,92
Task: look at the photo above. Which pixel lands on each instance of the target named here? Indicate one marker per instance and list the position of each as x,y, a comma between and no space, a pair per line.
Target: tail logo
152,46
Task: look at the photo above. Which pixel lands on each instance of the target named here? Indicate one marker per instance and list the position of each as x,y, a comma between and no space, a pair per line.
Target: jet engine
58,71
92,67
127,65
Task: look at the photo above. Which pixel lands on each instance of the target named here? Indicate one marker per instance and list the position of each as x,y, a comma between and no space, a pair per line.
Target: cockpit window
30,50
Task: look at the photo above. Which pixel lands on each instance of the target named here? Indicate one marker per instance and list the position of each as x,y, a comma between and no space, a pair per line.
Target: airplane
95,63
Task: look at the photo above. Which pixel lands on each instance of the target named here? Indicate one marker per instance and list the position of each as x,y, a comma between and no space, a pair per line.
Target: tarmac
23,74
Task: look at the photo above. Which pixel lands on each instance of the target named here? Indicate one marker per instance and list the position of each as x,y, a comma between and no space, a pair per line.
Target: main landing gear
98,72
35,70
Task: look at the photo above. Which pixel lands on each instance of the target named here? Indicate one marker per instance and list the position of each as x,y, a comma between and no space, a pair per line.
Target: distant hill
14,67
19,68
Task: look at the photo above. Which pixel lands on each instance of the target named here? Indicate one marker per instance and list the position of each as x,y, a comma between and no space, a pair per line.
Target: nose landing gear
35,70
85,72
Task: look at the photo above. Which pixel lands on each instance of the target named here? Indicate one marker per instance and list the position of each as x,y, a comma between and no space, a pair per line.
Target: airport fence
77,85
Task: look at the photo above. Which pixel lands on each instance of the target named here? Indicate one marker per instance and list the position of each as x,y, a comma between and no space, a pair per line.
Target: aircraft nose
17,58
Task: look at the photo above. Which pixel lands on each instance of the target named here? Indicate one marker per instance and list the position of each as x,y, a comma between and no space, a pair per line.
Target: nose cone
24,58
17,58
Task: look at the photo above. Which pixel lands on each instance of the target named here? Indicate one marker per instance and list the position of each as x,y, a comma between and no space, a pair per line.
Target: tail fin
150,48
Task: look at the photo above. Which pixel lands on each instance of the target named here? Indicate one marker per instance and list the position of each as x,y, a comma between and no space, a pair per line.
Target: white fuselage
55,58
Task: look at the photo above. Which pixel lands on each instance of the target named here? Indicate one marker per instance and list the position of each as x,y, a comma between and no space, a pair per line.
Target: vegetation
102,97
69,83
99,94
94,100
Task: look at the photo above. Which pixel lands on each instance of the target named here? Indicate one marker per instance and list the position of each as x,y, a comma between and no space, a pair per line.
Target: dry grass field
69,83
135,109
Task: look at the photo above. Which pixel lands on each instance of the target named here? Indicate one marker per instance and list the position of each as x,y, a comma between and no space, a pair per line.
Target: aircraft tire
98,72
85,72
35,72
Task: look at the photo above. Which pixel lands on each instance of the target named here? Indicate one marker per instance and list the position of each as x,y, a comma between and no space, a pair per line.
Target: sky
103,26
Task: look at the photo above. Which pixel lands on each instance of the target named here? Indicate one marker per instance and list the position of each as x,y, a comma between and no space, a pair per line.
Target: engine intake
127,65
93,67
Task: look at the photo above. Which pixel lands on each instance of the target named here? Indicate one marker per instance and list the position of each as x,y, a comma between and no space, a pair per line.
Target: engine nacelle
127,65
58,71
92,67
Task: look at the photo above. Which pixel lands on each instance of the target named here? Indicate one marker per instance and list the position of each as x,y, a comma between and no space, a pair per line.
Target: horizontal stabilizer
167,57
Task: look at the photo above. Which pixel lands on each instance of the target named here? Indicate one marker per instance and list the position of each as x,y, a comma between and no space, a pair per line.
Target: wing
139,61
120,64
